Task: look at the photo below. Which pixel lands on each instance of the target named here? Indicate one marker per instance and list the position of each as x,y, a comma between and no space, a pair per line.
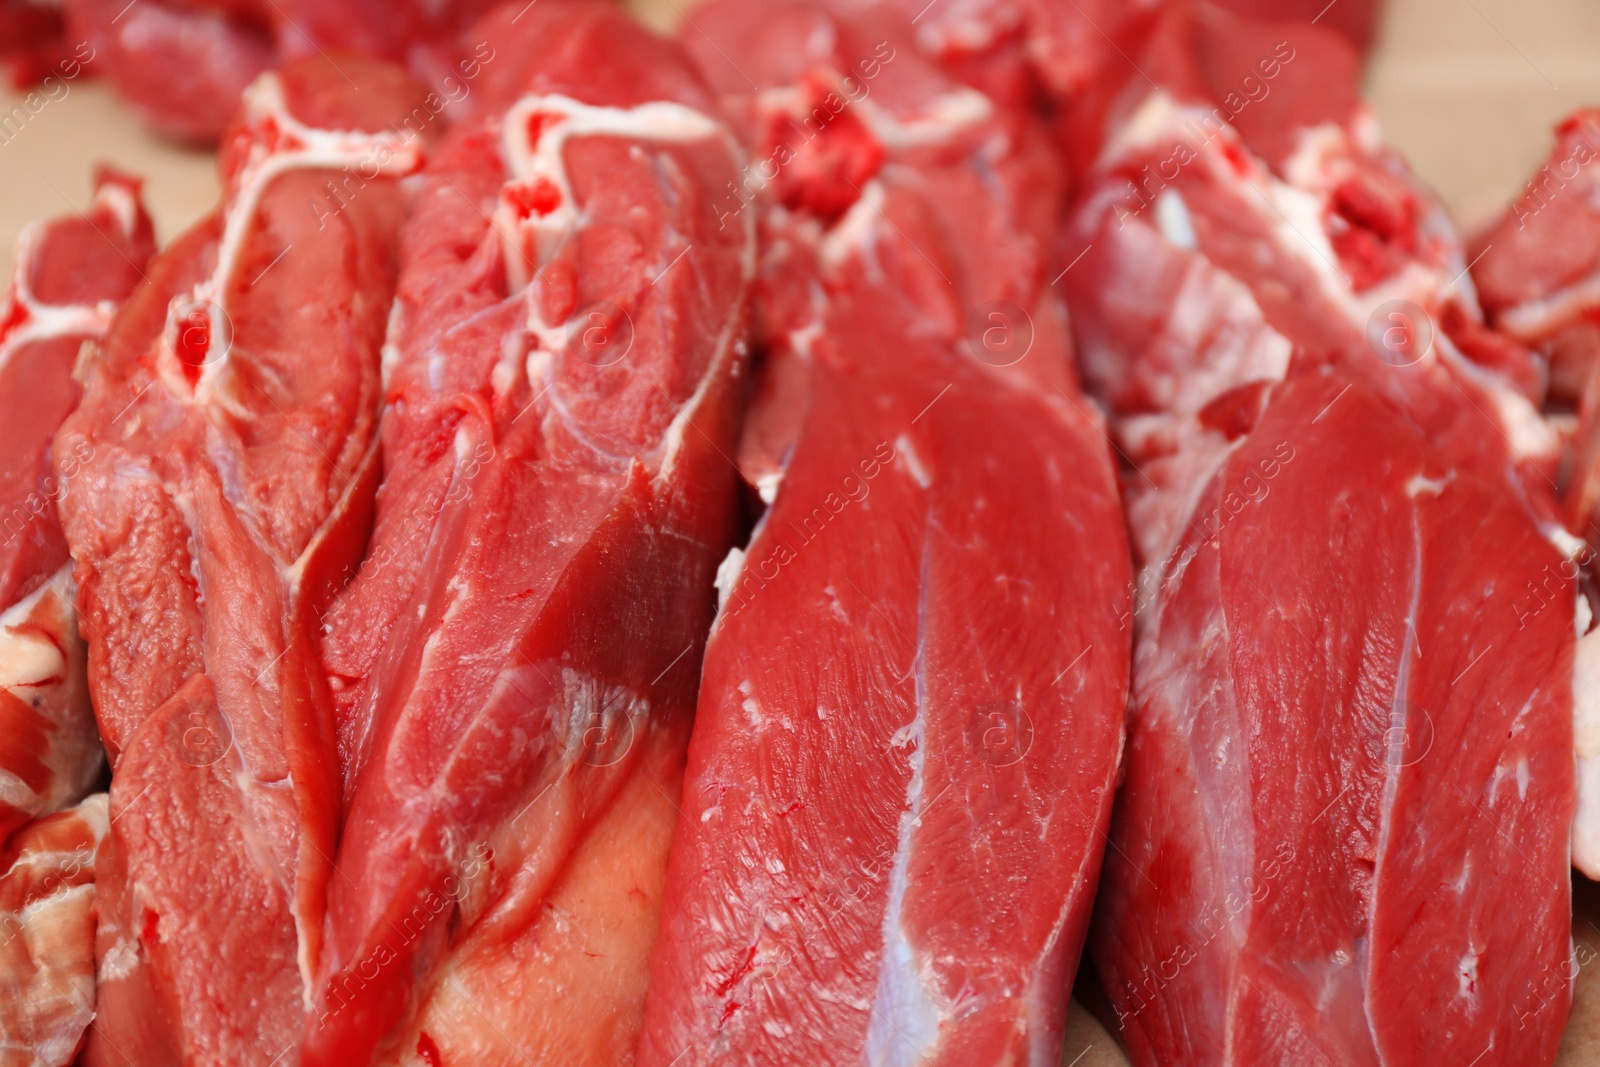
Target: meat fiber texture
181,64
67,278
1538,270
1349,777
515,666
225,466
912,702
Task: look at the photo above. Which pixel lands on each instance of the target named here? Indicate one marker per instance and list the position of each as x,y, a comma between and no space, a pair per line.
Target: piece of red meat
47,925
181,64
226,462
1082,56
1538,271
515,667
912,702
31,39
67,277
1349,775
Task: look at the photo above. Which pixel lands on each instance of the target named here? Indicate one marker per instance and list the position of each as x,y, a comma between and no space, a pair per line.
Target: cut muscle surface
515,665
226,448
912,702
1349,772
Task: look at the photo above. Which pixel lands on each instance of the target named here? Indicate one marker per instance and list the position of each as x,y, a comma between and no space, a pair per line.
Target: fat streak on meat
226,462
912,702
515,666
1349,773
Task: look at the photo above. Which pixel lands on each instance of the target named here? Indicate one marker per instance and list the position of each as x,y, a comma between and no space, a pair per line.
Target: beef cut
1349,775
225,459
182,64
67,278
1538,271
912,702
514,668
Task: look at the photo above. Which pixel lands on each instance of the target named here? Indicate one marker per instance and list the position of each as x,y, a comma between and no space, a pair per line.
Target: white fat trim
907,451
391,340
767,486
43,322
1565,543
1420,484
1172,216
944,118
857,230
28,659
728,572
297,147
1586,697
1538,319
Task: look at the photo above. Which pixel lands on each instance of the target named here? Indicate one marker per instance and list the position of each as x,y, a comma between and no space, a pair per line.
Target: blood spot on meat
428,1050
16,315
745,966
193,343
149,934
540,197
538,123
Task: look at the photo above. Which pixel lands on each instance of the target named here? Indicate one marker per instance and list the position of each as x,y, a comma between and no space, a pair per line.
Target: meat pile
774,547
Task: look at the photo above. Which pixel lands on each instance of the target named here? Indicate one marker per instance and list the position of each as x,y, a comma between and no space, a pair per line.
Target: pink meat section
911,711
229,427
515,666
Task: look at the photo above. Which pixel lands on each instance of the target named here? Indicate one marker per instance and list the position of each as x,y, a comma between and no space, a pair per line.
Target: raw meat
228,444
30,39
1349,773
181,64
912,707
47,919
1085,54
68,275
1538,270
515,667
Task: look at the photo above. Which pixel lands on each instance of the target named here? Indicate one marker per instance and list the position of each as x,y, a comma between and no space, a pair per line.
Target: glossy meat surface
1349,775
912,705
514,667
229,426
